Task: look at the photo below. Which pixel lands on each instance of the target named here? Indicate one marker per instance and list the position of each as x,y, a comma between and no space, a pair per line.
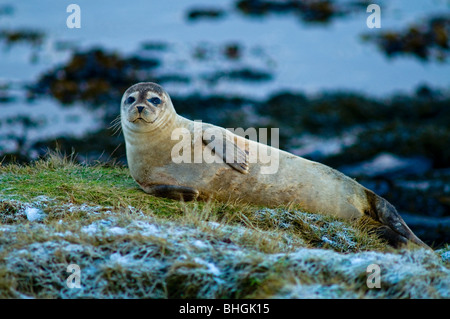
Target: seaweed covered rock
94,76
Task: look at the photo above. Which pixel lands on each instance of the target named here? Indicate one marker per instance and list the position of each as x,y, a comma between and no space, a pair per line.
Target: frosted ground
131,254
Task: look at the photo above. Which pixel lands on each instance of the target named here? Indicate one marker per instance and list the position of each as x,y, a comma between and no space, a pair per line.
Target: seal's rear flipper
173,192
388,215
393,238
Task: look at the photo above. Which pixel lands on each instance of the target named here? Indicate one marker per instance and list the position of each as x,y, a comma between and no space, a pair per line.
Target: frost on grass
130,254
13,211
315,228
34,214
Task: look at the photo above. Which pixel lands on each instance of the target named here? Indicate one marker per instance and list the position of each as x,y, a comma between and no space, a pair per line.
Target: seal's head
145,106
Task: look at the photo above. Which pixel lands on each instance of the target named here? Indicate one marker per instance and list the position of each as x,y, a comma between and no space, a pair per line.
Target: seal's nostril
140,108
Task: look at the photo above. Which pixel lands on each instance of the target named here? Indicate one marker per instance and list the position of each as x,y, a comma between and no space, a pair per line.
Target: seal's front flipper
173,192
226,147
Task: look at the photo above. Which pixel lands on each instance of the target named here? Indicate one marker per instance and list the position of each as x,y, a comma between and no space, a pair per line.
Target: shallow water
307,57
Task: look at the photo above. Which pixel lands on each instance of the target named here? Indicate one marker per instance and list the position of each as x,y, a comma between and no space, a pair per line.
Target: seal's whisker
116,125
116,120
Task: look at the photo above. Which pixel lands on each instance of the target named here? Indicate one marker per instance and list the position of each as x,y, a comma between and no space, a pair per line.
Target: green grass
66,182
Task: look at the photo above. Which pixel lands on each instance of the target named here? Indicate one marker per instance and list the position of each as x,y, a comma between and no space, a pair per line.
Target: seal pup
148,120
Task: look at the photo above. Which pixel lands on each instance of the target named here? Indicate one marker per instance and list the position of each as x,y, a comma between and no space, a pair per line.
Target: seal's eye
155,100
130,100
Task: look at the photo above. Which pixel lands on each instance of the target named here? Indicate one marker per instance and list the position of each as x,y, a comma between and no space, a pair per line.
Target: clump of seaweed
322,11
12,37
95,76
195,14
427,41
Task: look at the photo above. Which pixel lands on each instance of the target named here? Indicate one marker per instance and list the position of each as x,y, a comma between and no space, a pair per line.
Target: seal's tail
388,215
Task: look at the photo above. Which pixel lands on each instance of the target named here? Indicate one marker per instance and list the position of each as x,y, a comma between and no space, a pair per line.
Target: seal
149,120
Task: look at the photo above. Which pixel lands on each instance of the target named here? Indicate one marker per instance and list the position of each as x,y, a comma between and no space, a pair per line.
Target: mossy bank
128,244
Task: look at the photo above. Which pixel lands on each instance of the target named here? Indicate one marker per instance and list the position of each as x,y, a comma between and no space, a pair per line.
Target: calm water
300,56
